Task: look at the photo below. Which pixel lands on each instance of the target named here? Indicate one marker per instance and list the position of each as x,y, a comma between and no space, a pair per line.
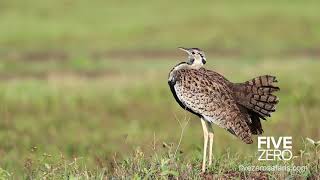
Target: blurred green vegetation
88,80
248,26
129,104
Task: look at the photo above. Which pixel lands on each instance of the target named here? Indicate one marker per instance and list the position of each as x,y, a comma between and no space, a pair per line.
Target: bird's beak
184,49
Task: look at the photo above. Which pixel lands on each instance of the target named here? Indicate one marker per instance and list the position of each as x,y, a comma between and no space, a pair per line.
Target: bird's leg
211,135
205,143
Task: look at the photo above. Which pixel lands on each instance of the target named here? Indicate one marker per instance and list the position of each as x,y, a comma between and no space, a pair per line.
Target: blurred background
89,78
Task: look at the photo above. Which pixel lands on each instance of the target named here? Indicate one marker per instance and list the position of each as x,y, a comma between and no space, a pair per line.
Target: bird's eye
193,52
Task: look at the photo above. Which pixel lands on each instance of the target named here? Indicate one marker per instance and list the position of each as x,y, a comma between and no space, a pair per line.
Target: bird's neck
196,65
183,65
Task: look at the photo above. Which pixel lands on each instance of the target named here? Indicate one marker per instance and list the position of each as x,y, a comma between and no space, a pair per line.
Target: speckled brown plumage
256,94
236,107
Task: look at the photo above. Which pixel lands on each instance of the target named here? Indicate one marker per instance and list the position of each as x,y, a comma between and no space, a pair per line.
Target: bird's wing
208,95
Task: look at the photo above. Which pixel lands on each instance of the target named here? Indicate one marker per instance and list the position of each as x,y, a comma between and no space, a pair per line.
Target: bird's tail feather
256,94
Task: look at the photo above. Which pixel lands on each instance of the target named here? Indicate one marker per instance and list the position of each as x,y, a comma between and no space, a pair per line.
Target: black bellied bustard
236,107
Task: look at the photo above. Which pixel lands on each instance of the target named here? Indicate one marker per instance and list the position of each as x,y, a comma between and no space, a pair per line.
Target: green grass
246,26
83,85
164,164
65,112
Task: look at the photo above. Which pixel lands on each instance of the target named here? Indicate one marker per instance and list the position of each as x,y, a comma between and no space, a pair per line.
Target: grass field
84,94
251,27
110,114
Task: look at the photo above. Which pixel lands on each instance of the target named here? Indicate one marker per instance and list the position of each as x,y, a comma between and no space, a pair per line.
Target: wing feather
207,94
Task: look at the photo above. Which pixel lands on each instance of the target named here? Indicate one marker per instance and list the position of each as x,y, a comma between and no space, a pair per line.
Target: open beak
184,49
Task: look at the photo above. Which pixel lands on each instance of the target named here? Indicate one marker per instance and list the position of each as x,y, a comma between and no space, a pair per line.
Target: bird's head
196,57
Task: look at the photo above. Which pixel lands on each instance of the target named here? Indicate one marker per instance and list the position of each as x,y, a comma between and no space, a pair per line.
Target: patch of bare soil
156,54
36,55
311,52
57,75
123,55
258,175
61,55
